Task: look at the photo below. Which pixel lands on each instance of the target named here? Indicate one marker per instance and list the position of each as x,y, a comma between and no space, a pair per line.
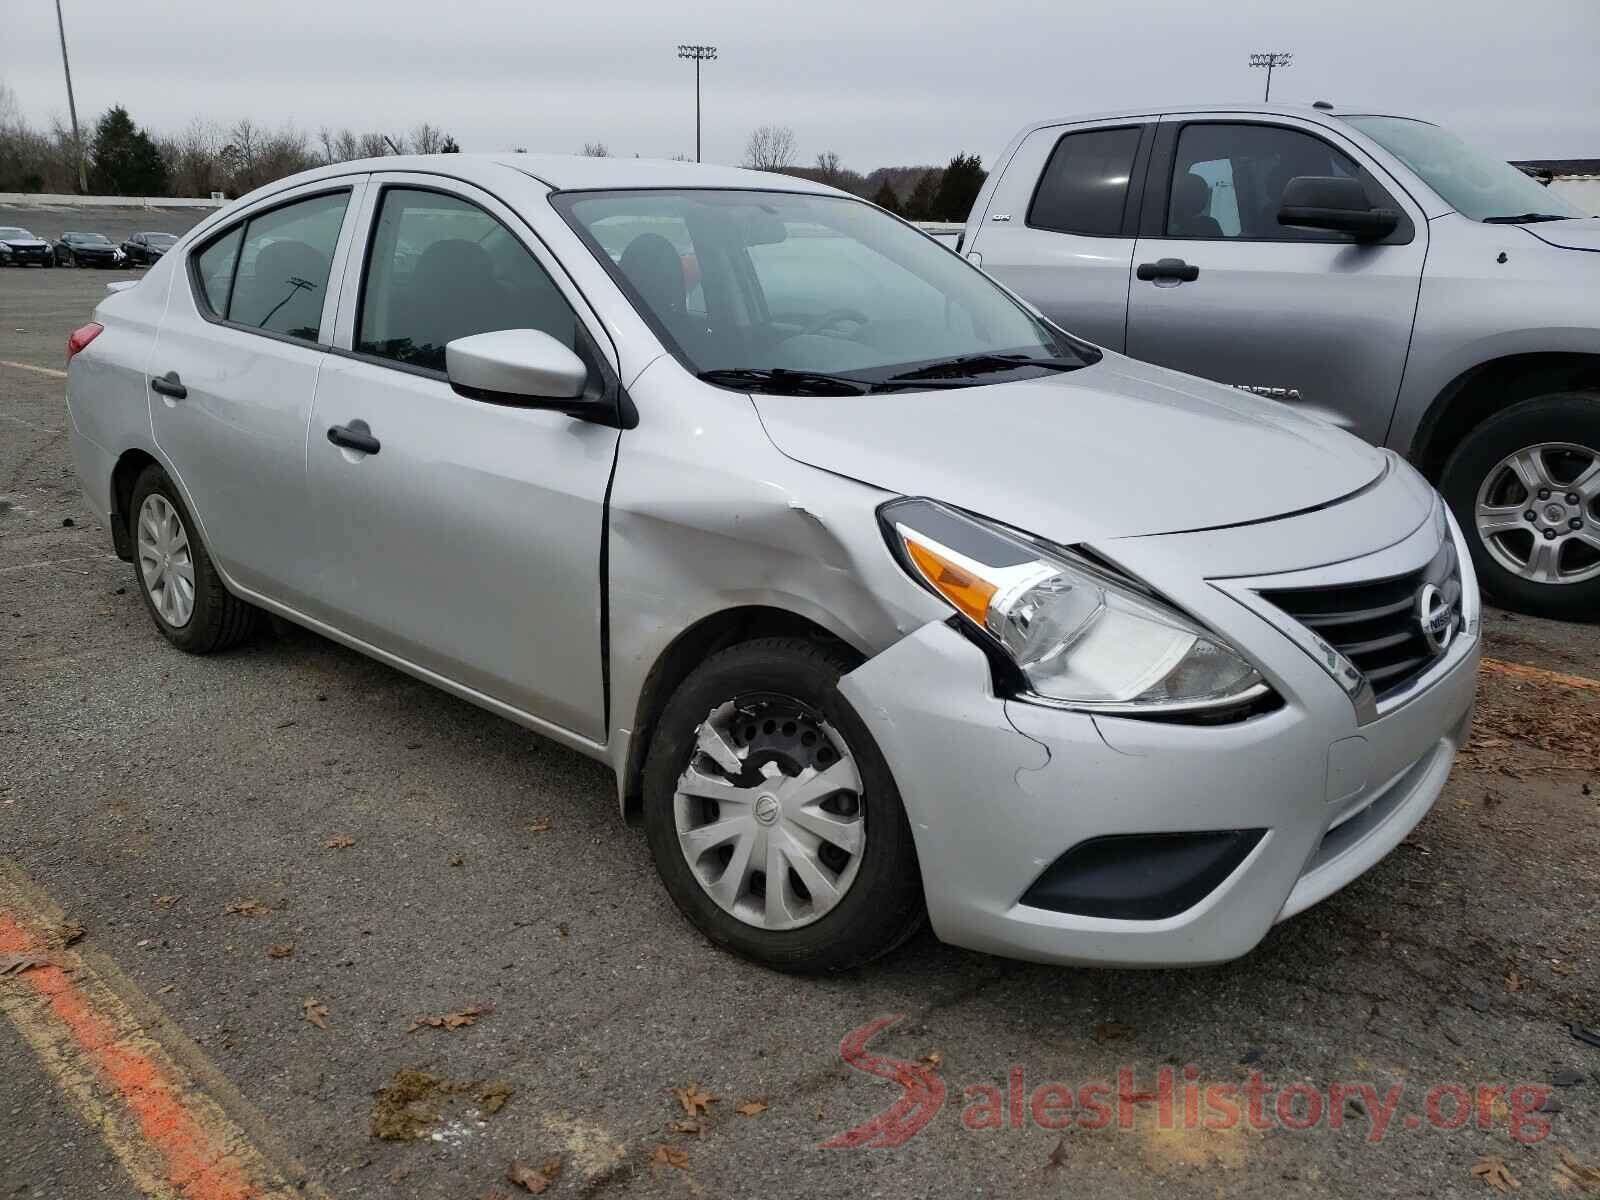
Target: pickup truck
1373,270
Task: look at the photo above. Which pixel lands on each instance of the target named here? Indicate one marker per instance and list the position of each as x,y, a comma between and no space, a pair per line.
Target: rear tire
877,901
1538,457
181,588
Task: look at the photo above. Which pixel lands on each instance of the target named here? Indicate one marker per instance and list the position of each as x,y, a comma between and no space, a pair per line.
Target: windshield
159,239
1475,184
737,280
93,239
13,233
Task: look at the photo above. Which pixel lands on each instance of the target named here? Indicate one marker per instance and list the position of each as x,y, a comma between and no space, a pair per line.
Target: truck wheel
772,816
1525,488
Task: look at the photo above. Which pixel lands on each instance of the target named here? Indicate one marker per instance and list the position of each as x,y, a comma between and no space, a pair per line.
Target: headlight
1078,634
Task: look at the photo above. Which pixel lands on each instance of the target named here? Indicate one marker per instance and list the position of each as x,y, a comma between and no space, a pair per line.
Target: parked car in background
145,249
1371,270
87,250
875,590
22,248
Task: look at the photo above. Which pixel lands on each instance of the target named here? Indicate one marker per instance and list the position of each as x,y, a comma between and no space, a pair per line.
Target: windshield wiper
784,381
982,364
1526,219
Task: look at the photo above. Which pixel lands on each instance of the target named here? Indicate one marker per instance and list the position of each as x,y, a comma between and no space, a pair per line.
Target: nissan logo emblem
1437,617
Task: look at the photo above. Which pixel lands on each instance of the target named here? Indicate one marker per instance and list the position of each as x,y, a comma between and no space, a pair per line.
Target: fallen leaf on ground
456,860
314,1011
494,1095
16,964
167,901
162,991
1562,968
535,1181
1058,1156
1492,1170
1572,1173
689,1127
338,843
455,1020
69,933
667,1156
1111,1031
248,907
751,1108
280,950
933,1058
540,826
695,1101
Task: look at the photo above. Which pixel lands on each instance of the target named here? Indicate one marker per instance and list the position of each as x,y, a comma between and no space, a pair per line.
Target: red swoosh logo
920,1100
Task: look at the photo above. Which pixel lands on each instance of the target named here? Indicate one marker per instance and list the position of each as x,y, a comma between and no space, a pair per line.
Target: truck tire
773,819
1525,489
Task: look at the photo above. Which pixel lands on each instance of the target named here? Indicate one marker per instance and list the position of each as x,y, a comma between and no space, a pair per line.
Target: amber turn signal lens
955,583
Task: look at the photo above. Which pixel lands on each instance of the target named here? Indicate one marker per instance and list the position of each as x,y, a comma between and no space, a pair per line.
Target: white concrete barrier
53,200
1582,190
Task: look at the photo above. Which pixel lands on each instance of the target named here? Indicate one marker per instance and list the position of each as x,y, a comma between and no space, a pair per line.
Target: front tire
181,588
772,816
1525,488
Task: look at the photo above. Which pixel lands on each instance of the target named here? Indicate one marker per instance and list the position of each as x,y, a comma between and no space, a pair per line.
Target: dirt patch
414,1101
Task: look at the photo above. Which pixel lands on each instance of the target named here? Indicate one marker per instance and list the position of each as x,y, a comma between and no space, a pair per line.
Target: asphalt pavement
282,857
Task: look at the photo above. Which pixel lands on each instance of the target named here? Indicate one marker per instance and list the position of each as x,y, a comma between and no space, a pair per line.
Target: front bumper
21,255
998,790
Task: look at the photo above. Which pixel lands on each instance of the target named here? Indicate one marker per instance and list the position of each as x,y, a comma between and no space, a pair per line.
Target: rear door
233,372
1305,316
469,542
1061,224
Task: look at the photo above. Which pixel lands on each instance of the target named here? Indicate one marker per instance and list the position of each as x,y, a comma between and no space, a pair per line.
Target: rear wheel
772,816
177,579
1525,487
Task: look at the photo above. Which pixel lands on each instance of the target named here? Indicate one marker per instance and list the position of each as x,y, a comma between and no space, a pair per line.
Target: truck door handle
1168,268
355,436
169,385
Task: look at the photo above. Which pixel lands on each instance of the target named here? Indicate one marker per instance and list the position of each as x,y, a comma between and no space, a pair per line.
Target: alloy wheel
1538,513
769,812
165,561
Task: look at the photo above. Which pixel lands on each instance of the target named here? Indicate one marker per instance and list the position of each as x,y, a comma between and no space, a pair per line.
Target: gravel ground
132,772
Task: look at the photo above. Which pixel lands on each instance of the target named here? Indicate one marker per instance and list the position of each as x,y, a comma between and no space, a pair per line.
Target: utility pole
700,54
72,105
1276,58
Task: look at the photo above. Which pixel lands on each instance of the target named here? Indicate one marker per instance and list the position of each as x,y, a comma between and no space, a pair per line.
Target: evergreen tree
920,205
125,161
884,197
962,181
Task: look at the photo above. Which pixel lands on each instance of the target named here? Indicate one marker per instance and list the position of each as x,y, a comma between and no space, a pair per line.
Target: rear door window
1084,188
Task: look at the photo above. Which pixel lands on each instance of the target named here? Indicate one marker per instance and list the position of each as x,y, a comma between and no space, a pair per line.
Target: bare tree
770,148
596,150
829,168
428,139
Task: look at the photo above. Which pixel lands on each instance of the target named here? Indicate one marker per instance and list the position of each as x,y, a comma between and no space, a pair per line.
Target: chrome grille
1376,624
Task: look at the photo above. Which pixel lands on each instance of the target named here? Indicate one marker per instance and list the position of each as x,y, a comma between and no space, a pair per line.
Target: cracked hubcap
164,560
769,813
1538,513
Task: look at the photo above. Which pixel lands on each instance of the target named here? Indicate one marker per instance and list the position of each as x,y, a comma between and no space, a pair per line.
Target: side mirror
518,366
1335,203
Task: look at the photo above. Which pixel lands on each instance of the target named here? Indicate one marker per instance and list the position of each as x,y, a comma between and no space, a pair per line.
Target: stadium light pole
1276,58
700,54
72,105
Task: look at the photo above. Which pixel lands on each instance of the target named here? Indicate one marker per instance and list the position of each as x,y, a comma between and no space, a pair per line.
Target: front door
1305,316
468,542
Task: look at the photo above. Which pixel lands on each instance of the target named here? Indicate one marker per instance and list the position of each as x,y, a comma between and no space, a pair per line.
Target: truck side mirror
1336,203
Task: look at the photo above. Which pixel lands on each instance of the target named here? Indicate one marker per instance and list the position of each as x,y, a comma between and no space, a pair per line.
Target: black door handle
1168,268
355,436
169,385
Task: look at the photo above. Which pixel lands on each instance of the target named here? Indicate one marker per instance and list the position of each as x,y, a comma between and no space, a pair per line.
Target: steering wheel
833,317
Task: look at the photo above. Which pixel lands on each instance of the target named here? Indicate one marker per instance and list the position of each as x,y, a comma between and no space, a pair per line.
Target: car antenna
1324,105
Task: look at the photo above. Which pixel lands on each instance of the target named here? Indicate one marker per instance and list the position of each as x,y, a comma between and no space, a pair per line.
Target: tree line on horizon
123,158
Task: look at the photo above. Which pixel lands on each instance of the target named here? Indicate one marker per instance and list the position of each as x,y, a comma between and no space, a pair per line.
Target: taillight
79,338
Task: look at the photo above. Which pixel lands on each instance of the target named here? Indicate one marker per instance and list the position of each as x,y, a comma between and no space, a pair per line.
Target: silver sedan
886,599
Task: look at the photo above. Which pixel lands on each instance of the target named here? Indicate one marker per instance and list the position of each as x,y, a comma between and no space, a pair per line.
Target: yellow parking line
22,366
172,1137
1513,670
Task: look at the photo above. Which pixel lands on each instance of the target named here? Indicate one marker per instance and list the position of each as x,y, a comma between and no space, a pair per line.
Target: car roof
564,172
1250,107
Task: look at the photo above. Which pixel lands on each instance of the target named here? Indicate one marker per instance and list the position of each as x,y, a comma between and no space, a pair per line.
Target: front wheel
772,816
1525,488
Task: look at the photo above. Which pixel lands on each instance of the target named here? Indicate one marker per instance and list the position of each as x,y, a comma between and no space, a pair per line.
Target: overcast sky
878,81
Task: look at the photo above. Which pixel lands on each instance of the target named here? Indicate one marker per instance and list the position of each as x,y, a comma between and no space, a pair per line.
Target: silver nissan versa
883,596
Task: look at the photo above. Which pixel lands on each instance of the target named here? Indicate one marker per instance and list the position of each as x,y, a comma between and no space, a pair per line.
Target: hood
1578,234
1118,449
25,243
